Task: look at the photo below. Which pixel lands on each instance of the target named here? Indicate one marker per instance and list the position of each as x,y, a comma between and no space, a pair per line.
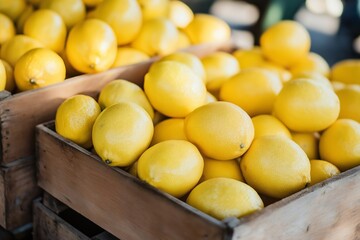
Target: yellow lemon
349,97
337,85
157,37
121,133
7,28
48,28
221,130
129,55
313,76
283,73
158,117
20,22
248,58
180,13
189,59
210,98
10,80
124,16
346,71
205,28
218,168
219,67
38,68
133,169
183,40
12,8
224,197
285,42
253,89
71,11
169,129
92,3
306,106
322,170
312,62
275,166
70,70
174,89
309,142
13,49
91,46
2,76
340,144
120,90
173,166
267,125
152,9
75,118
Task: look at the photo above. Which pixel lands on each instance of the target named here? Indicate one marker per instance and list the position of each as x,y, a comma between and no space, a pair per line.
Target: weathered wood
18,188
53,204
330,210
113,199
20,113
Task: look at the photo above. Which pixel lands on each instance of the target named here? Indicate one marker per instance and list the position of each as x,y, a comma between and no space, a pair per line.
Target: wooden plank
20,113
113,199
329,210
53,204
18,188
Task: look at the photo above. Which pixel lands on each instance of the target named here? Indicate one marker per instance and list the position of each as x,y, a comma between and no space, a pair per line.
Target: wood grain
113,199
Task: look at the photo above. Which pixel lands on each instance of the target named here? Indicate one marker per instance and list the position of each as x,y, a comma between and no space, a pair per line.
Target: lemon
174,89
306,106
219,67
312,62
75,118
221,130
7,28
48,28
158,117
285,42
248,58
309,142
2,76
92,3
253,89
218,168
349,97
180,13
322,170
129,55
210,98
283,73
38,68
71,11
268,125
313,76
206,28
10,80
158,36
169,129
124,16
224,197
173,166
337,85
91,46
121,133
12,8
183,40
152,9
133,169
13,49
70,70
275,166
20,22
189,59
346,71
120,90
340,144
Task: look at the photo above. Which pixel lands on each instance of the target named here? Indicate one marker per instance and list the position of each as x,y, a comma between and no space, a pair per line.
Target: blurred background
334,25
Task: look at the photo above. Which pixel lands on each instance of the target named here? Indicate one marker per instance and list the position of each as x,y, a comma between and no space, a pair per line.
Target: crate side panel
112,199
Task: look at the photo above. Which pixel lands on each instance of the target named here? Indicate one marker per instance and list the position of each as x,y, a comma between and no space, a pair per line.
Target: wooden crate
50,224
329,210
20,113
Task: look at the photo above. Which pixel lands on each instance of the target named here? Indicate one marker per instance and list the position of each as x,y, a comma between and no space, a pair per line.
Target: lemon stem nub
32,81
107,161
92,66
242,145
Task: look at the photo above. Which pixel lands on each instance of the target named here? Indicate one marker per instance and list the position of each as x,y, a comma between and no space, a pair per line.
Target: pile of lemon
228,132
43,42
